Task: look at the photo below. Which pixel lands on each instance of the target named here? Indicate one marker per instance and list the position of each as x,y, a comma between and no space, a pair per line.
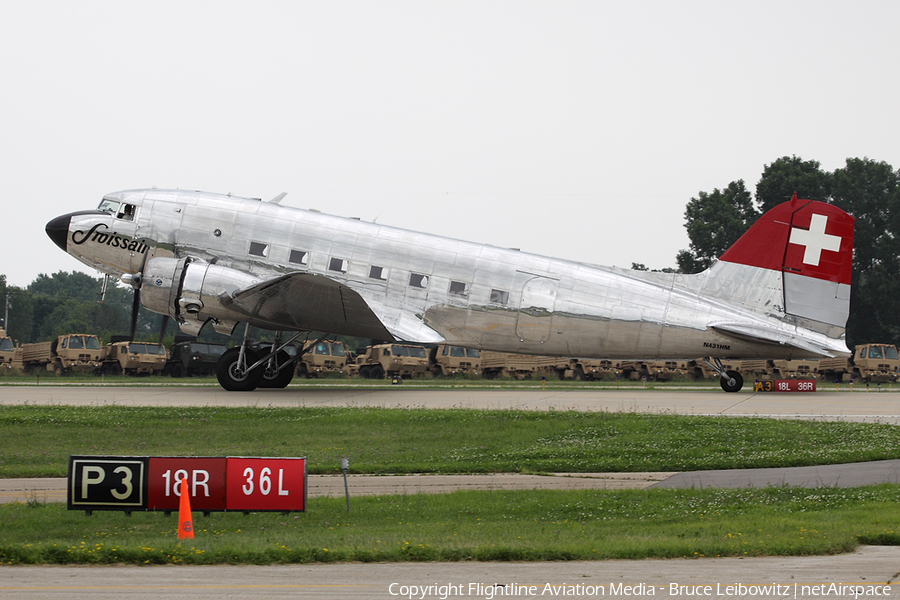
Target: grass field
491,525
36,441
496,525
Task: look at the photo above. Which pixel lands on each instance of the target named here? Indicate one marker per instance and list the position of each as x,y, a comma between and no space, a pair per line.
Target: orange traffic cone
185,522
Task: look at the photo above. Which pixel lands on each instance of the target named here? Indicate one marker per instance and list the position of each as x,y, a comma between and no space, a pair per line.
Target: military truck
7,350
445,360
765,370
189,357
322,359
869,362
800,368
393,360
517,366
581,369
73,352
122,356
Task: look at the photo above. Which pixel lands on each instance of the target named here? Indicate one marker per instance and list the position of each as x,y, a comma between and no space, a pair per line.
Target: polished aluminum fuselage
430,289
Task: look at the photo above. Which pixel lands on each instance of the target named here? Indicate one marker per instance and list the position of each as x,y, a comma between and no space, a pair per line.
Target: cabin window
499,297
418,280
379,273
259,249
862,353
458,288
337,264
299,257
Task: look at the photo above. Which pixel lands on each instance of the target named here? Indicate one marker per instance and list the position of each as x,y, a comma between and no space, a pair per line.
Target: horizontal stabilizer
769,335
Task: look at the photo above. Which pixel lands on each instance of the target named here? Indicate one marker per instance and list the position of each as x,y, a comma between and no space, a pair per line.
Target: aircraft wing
305,301
769,335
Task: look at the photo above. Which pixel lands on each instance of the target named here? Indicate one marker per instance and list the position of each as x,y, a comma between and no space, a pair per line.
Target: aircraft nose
58,230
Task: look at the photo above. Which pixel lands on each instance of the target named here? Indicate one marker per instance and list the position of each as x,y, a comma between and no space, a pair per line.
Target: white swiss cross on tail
815,240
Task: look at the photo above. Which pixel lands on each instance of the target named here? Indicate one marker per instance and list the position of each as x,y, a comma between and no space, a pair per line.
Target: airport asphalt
870,571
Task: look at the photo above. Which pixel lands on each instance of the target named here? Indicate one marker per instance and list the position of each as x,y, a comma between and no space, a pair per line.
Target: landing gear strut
731,381
243,369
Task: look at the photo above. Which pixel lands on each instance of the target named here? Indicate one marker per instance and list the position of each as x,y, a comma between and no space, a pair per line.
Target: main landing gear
249,366
731,381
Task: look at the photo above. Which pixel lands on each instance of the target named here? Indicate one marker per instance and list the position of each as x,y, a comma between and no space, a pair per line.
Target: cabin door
536,310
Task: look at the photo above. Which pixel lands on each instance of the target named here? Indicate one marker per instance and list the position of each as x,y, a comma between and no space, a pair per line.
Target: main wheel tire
732,382
280,379
234,379
177,370
377,372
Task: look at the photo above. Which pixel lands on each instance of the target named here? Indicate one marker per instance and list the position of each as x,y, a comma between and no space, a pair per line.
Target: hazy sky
574,129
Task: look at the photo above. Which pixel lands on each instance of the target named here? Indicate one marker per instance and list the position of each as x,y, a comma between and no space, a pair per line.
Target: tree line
70,302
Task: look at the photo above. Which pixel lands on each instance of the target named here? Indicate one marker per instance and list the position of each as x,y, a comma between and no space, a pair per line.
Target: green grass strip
536,525
36,441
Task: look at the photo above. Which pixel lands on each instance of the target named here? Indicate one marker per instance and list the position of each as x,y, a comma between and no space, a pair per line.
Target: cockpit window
110,206
126,212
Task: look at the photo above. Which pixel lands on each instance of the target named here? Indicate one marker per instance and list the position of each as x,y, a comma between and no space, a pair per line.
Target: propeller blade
135,307
135,280
162,330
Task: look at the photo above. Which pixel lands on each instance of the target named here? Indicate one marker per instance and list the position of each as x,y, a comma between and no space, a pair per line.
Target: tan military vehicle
517,366
797,368
7,350
322,359
767,370
445,360
669,370
581,369
393,360
870,363
121,356
78,353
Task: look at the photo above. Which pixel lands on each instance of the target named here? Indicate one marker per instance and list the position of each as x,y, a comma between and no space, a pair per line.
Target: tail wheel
732,381
234,375
280,379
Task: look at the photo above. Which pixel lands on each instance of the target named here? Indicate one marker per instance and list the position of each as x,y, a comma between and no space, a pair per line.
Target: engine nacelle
188,290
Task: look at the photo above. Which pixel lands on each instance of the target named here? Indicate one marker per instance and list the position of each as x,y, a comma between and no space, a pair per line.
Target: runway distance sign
141,483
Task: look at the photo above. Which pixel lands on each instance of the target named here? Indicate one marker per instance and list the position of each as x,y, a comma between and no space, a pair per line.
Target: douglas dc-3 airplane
781,291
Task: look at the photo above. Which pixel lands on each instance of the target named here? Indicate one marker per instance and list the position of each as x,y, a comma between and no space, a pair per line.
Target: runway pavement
867,571
879,404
